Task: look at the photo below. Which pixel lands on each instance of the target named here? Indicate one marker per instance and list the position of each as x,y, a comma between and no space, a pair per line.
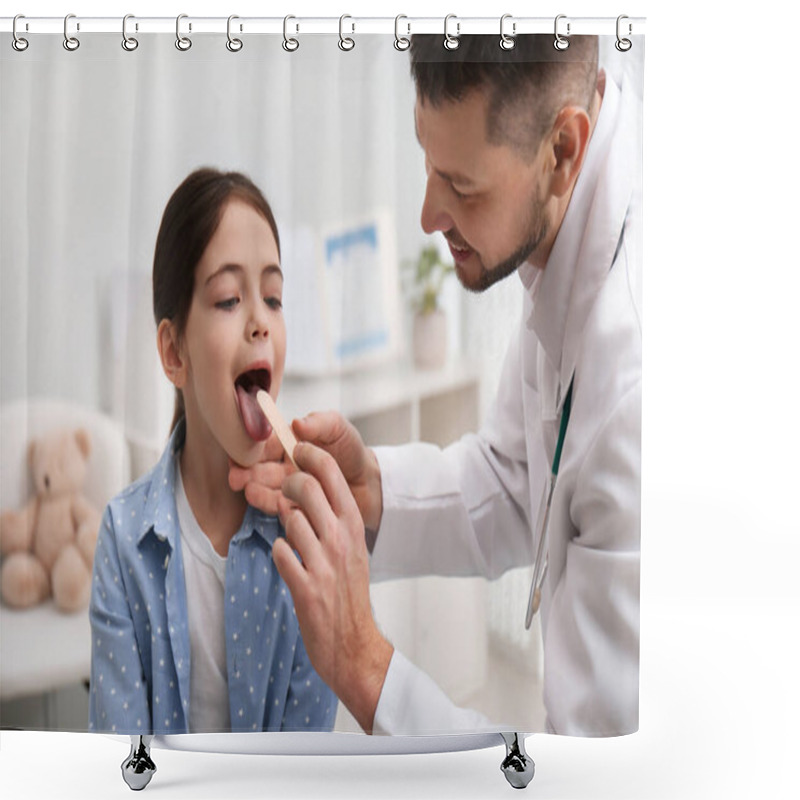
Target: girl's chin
253,452
249,457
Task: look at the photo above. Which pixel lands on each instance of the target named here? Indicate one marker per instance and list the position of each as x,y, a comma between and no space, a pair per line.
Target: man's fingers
305,492
261,482
237,476
320,465
301,537
262,497
289,568
320,427
267,473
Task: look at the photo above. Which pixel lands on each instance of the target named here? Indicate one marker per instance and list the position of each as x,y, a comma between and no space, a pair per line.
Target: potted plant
429,334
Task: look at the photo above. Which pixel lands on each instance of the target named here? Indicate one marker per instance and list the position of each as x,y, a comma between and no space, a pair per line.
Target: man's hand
330,431
261,483
330,581
333,433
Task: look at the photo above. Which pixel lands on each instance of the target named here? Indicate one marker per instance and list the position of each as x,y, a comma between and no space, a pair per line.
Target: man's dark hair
525,87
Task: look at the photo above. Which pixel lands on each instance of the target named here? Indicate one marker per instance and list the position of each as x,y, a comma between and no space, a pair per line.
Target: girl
193,629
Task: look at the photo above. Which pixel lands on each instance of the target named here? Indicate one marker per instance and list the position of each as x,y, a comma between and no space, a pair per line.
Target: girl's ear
173,361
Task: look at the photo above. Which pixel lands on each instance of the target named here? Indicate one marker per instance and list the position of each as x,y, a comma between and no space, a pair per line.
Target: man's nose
435,215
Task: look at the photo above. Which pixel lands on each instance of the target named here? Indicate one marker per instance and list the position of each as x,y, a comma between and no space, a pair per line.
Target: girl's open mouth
248,384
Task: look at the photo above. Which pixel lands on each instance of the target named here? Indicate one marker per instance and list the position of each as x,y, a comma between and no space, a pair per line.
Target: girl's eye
274,303
227,305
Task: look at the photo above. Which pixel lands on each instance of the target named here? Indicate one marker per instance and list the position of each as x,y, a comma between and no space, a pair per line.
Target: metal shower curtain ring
623,45
234,45
346,42
183,43
71,43
401,42
507,42
290,44
560,43
451,42
17,42
129,43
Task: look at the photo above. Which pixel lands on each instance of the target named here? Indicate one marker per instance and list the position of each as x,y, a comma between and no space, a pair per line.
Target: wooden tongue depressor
283,431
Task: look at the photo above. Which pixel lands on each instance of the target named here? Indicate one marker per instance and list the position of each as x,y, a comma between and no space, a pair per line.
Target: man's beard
536,232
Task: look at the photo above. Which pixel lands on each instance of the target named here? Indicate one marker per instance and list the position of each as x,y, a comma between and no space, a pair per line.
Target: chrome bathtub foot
517,766
138,768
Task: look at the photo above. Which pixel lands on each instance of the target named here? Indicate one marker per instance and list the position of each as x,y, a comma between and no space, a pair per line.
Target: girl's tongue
255,423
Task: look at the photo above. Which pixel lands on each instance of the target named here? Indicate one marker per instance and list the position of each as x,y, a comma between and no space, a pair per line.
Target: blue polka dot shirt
140,628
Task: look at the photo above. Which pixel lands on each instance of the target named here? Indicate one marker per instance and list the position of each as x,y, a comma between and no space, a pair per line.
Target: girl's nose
257,325
258,332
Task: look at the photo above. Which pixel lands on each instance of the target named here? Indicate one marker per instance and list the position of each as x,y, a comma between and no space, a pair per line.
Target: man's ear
570,139
173,360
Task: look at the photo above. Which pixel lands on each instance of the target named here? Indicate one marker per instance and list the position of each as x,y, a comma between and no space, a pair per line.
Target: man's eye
274,303
458,194
227,305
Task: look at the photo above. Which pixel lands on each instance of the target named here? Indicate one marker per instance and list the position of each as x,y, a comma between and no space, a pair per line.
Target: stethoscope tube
540,564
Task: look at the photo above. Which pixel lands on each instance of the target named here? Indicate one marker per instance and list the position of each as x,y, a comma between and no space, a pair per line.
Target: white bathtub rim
287,743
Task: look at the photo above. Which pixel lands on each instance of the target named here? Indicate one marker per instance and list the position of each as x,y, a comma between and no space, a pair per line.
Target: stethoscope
540,564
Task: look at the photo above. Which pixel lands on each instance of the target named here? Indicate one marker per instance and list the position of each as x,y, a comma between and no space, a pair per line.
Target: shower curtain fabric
95,141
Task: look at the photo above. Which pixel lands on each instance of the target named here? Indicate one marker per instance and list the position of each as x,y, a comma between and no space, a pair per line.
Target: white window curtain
94,142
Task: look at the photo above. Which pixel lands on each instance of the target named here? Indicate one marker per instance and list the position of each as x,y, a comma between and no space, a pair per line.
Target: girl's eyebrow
236,268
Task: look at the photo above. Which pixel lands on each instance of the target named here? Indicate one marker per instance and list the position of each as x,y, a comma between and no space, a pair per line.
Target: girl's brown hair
188,224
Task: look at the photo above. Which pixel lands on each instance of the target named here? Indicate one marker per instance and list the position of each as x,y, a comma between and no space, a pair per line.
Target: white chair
44,649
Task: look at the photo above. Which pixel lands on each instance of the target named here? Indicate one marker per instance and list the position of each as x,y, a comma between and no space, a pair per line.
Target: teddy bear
48,546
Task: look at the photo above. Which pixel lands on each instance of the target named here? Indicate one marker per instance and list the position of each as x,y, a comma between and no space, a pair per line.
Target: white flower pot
430,339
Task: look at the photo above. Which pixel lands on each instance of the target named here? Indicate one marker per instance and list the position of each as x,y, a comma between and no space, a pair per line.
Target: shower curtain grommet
507,42
401,43
560,42
451,42
129,43
346,43
290,44
71,43
183,43
233,44
18,42
622,44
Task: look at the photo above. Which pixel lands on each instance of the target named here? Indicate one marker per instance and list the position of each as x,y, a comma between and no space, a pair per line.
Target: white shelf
394,402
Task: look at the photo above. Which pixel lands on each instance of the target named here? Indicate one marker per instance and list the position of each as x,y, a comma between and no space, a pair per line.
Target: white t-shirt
204,571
